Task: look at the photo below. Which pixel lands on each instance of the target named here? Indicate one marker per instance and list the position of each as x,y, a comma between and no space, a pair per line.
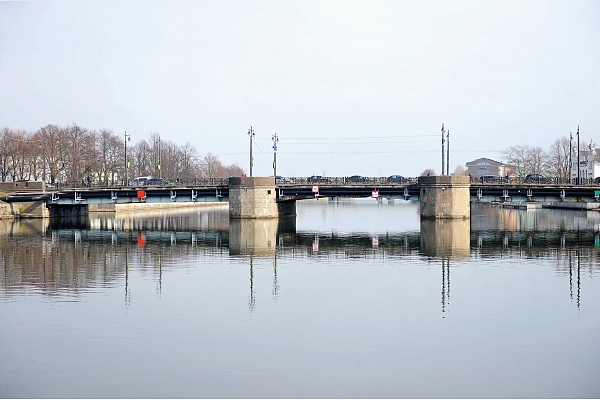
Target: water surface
351,299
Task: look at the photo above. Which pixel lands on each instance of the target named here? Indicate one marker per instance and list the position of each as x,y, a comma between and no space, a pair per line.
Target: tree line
556,161
73,154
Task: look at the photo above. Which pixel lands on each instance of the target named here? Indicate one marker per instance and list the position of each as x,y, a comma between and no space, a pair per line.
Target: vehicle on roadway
536,178
397,178
490,179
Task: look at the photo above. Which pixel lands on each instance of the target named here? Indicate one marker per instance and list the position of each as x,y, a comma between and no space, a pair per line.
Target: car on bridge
158,182
491,179
536,178
355,178
317,179
397,178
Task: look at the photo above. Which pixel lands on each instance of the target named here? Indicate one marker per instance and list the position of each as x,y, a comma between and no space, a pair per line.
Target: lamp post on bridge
443,140
448,153
578,160
275,141
158,165
127,138
251,134
570,157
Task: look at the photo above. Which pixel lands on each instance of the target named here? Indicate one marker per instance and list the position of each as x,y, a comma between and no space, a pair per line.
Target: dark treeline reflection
72,255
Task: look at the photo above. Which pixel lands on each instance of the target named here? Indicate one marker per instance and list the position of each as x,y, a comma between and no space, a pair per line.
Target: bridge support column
254,198
444,197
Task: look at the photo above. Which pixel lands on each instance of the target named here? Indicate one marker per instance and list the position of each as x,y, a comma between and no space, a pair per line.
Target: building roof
479,161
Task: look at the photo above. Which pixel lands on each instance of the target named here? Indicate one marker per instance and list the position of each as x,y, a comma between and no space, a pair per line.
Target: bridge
265,197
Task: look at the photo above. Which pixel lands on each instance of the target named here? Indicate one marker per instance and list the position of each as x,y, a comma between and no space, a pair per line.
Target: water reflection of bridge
74,255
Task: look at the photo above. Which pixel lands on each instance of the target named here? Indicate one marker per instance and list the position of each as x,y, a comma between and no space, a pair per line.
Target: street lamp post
570,157
448,153
578,159
158,166
275,141
443,157
127,138
251,134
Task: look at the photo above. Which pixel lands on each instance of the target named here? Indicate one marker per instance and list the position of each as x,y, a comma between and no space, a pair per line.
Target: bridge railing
544,181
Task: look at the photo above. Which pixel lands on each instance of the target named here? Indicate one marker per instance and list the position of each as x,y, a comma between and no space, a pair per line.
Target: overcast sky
350,87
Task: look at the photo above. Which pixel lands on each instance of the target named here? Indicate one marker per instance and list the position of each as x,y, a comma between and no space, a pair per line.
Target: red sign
375,194
315,188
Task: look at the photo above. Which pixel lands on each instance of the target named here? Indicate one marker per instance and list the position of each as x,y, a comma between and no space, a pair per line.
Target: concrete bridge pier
445,197
256,198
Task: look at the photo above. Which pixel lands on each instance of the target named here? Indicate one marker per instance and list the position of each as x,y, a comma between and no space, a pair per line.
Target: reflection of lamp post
251,134
275,140
127,138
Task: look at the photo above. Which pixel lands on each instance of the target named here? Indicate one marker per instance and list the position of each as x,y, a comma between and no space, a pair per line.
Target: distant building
487,166
589,163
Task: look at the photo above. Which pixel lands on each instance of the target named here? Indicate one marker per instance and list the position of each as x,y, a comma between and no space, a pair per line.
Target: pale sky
350,87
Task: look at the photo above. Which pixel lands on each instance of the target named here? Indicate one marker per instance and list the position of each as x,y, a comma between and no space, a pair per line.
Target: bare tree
5,153
52,137
557,159
517,156
210,166
108,156
233,170
190,165
78,156
459,171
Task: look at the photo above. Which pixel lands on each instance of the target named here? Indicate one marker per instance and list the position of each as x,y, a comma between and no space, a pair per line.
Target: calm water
352,299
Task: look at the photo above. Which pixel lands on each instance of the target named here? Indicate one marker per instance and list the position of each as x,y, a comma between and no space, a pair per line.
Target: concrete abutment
445,197
256,198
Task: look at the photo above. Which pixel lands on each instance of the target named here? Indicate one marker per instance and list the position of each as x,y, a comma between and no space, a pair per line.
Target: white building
589,163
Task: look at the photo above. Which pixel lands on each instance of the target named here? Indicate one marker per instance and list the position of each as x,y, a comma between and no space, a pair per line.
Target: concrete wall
252,198
445,197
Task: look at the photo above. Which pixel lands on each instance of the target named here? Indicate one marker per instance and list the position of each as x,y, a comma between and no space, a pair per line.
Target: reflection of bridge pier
445,238
257,237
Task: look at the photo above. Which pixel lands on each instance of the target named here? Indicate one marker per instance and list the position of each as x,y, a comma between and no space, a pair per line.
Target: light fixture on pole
275,141
127,139
251,134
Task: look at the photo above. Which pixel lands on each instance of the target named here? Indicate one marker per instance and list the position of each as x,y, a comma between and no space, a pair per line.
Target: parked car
355,178
158,182
140,181
596,180
536,178
490,179
397,178
317,179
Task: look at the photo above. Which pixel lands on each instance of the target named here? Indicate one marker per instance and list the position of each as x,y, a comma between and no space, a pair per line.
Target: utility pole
578,162
251,134
448,153
275,140
443,140
127,138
